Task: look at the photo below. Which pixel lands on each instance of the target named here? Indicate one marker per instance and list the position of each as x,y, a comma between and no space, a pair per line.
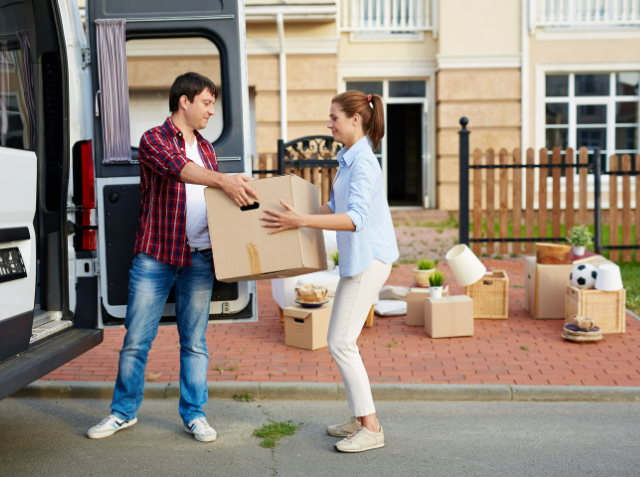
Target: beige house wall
311,83
490,98
472,27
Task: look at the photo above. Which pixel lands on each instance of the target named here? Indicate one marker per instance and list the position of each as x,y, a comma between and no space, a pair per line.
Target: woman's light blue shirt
358,191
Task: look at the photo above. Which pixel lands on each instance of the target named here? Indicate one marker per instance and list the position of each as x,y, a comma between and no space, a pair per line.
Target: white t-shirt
197,226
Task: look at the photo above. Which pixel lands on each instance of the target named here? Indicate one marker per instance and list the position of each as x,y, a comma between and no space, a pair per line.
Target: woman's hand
281,221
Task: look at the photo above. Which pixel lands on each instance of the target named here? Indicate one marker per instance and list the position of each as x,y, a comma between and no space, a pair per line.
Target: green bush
334,256
579,236
426,264
436,279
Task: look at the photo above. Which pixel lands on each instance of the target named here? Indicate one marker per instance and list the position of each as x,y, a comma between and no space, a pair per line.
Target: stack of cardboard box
244,250
545,288
444,317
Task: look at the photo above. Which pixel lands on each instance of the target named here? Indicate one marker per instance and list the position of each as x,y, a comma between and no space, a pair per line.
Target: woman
359,211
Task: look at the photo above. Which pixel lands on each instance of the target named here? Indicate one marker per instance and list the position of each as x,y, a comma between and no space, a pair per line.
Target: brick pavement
256,351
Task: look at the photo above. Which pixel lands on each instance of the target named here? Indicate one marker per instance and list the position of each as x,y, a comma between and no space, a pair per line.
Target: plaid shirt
163,214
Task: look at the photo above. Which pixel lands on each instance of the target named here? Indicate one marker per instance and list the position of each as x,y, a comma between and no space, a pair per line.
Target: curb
336,392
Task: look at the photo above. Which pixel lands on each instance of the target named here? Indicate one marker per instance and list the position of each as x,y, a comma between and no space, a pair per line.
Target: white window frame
541,71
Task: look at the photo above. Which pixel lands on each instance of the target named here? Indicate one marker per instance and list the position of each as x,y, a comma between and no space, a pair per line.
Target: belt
197,249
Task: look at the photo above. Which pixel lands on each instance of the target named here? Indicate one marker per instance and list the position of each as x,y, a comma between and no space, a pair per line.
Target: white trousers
353,300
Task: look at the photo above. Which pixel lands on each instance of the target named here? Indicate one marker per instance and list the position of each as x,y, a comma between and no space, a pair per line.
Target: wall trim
384,68
293,46
478,61
546,34
382,37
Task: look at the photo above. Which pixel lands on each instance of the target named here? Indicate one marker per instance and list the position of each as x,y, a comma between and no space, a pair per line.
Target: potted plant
421,274
436,280
579,237
336,261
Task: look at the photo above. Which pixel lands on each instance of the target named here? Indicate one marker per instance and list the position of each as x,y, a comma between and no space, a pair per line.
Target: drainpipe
283,79
524,85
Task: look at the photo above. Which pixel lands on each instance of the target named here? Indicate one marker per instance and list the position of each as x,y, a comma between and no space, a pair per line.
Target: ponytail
370,109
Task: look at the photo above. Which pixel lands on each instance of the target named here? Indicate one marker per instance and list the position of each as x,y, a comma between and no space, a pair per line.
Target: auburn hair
356,102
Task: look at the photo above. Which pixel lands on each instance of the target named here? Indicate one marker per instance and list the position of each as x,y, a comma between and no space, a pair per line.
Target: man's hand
237,188
281,221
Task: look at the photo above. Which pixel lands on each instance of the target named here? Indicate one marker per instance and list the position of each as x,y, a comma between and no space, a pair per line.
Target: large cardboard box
447,317
415,304
306,328
242,247
545,286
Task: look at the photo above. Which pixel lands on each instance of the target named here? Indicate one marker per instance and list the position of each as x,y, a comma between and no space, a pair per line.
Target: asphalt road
46,437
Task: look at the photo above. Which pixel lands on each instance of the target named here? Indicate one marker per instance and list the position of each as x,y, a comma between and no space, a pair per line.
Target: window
596,110
152,67
367,87
17,109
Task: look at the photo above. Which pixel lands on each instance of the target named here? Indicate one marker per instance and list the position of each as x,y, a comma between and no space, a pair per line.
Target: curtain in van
5,66
114,91
27,72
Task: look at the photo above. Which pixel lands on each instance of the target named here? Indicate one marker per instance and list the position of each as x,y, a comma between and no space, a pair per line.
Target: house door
404,155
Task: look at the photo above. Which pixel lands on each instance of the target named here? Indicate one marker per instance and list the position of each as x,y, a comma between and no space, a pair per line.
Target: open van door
18,186
17,248
165,38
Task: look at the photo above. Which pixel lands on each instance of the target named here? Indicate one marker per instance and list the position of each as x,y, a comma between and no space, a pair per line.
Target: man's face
197,114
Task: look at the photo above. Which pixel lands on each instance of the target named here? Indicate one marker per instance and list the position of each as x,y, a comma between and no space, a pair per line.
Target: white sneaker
109,425
361,440
201,430
343,430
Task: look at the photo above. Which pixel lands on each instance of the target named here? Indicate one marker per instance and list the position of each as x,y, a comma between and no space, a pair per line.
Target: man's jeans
150,282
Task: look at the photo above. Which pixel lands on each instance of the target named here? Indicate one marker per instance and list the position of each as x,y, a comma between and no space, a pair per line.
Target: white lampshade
466,267
609,278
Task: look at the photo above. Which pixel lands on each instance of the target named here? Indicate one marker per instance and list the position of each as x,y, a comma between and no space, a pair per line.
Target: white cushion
393,293
391,308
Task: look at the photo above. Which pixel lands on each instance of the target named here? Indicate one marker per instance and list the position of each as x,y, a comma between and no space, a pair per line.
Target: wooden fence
502,199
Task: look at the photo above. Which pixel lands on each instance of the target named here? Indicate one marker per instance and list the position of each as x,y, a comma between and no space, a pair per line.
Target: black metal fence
594,167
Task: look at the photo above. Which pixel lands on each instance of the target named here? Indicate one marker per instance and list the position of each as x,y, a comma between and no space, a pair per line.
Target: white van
68,219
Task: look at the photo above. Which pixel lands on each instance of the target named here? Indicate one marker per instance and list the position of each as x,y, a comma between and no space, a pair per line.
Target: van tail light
85,236
84,195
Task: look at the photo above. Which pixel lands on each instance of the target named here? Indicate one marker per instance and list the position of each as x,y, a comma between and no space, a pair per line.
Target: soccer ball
583,276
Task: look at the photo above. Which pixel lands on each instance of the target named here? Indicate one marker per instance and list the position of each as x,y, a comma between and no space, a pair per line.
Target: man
173,248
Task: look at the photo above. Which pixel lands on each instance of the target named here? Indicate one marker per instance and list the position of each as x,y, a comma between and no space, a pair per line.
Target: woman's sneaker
201,430
343,430
361,440
109,425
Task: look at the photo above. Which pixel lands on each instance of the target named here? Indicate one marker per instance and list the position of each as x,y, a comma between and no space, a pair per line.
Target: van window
152,67
15,99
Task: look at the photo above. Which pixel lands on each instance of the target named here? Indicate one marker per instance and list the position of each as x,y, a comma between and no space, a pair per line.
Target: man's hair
189,85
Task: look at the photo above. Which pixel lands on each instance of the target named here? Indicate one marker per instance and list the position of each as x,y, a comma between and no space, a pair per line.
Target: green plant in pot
436,280
579,237
422,272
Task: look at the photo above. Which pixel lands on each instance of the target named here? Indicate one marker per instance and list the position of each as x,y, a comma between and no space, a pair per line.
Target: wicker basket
607,308
490,296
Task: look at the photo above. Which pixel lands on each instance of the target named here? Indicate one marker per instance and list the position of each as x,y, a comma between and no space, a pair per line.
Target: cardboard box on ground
545,286
447,317
306,328
415,304
242,247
